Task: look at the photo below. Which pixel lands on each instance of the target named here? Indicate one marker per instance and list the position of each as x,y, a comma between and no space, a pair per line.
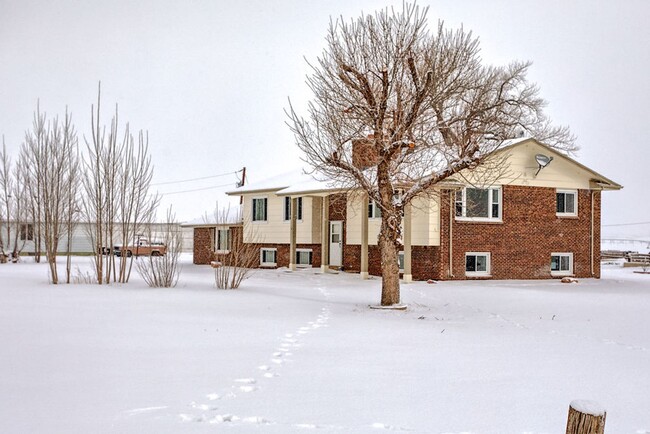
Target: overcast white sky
209,80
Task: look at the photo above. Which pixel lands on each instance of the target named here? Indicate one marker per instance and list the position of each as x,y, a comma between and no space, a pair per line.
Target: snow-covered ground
293,352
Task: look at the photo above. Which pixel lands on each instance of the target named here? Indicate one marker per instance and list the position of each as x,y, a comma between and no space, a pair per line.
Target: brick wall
203,245
283,251
521,246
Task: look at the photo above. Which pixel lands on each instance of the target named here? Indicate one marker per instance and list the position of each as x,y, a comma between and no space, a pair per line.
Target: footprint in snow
221,418
246,380
213,396
277,361
247,389
305,425
257,420
204,407
271,375
264,368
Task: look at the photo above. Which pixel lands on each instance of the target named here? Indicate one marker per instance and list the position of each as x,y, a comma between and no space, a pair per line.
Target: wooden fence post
586,417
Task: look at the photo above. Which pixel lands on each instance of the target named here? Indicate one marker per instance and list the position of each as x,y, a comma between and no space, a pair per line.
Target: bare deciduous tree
50,151
163,271
117,178
425,105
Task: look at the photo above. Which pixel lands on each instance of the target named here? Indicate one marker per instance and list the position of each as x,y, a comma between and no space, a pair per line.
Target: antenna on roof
542,161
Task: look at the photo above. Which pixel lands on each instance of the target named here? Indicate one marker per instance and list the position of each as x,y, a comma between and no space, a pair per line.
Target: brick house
536,219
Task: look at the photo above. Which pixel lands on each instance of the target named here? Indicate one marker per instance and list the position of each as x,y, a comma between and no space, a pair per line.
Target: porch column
292,234
408,277
325,238
364,237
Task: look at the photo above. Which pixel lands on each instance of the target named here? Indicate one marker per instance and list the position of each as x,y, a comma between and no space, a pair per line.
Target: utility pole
243,181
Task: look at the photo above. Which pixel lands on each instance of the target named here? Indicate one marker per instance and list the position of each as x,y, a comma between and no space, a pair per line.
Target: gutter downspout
591,235
451,221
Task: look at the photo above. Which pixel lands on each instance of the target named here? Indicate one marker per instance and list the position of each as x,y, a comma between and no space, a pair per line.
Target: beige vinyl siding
522,166
425,222
275,230
353,223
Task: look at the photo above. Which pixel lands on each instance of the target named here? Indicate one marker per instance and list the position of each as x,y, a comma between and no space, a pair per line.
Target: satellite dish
542,161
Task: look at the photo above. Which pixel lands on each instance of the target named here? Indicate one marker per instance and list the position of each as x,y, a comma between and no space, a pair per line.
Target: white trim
266,216
299,210
491,202
568,272
575,203
372,205
216,240
268,264
298,264
488,264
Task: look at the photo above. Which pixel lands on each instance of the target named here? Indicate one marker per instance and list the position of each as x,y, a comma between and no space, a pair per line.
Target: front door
336,243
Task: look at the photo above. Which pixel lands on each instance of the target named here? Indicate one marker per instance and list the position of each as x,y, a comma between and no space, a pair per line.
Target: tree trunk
390,291
585,417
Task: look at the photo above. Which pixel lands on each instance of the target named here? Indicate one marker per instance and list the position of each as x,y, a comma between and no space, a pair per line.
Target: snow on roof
286,184
224,216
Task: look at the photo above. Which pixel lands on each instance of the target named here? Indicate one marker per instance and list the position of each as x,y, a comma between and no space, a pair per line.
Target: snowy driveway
290,352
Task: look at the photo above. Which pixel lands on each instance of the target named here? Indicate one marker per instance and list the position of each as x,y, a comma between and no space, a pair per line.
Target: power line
630,224
198,189
197,179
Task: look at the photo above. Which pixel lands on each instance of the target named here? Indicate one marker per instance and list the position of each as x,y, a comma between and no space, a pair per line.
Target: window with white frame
400,261
566,203
260,209
287,208
303,257
223,240
561,264
479,204
268,257
374,212
477,264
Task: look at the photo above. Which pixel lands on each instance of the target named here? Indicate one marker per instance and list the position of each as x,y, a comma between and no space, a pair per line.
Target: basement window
477,264
561,264
268,257
400,261
303,257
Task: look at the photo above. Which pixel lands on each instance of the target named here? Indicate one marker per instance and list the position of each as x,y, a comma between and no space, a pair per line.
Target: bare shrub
233,259
163,271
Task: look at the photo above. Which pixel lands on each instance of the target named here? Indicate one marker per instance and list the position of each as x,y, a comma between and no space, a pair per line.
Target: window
567,203
400,261
477,264
259,209
223,240
268,257
27,232
561,264
374,212
303,257
478,203
287,209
